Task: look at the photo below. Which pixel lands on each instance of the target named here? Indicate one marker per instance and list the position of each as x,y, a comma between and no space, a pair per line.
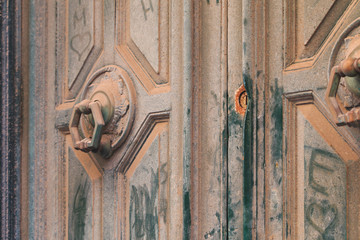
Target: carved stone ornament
343,93
113,87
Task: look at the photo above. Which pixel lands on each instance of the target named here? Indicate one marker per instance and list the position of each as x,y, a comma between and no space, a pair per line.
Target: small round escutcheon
241,100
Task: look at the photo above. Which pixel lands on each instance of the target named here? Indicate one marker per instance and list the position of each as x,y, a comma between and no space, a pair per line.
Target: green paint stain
78,217
187,216
233,117
143,213
277,118
248,161
217,1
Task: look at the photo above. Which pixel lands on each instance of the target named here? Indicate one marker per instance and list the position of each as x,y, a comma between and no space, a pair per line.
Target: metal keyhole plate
241,100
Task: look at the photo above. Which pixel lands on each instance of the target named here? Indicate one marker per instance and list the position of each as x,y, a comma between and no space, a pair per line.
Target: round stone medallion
111,86
344,47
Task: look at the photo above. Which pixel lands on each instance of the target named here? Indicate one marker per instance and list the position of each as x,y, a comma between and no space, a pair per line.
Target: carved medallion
112,86
346,44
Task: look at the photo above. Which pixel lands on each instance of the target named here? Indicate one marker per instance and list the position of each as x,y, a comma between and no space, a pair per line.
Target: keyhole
241,100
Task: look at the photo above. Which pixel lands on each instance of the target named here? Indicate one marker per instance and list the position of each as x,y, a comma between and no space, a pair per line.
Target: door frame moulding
255,70
344,145
11,118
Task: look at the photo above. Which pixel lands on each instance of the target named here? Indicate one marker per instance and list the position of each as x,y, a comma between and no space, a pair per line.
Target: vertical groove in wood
196,120
10,94
224,119
187,111
37,103
255,68
249,163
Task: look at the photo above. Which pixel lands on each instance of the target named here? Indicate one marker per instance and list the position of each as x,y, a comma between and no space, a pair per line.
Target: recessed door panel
145,188
317,175
113,109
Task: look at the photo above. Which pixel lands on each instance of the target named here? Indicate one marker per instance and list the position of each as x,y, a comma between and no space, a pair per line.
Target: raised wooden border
11,118
141,138
292,42
338,138
153,82
71,90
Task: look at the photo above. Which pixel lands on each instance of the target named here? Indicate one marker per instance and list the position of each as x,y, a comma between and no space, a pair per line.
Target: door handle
103,118
345,106
100,109
350,69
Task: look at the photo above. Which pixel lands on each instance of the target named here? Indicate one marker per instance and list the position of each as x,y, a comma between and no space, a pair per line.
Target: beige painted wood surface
191,167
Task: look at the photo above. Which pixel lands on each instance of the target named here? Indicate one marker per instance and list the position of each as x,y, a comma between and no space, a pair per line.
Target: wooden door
121,47
305,162
176,159
160,169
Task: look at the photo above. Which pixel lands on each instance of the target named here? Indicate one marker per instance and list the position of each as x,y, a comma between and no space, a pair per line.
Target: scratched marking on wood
325,189
80,201
80,27
148,188
147,8
147,207
144,29
143,208
217,1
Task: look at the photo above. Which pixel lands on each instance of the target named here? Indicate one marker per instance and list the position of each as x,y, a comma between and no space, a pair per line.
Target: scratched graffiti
80,205
78,218
147,9
80,32
322,217
325,189
80,41
323,192
217,1
145,206
144,29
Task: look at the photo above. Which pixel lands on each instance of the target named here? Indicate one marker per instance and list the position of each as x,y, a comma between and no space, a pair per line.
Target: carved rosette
347,46
117,87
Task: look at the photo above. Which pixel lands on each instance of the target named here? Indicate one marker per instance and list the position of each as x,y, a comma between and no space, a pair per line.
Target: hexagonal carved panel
84,43
144,187
83,195
321,173
143,41
308,24
144,29
345,44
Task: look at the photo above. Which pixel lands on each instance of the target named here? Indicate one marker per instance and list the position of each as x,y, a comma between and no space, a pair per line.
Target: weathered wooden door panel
161,167
123,196
144,188
320,188
83,181
310,185
182,162
122,49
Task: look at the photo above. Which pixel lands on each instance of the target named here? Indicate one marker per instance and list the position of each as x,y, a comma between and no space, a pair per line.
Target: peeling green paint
187,216
277,119
234,117
143,213
248,161
78,218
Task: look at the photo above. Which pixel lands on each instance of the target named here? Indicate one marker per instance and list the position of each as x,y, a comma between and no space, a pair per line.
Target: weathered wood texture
193,80
10,93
